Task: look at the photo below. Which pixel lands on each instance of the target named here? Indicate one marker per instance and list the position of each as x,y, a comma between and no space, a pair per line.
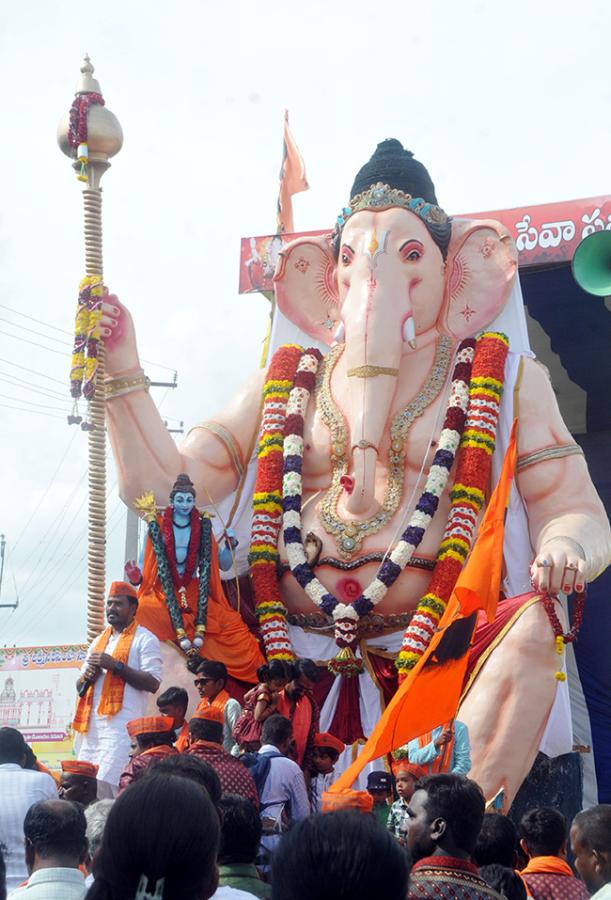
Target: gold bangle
559,451
365,445
371,371
118,387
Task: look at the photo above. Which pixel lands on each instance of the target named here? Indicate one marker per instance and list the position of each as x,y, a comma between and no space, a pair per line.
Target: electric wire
35,412
16,337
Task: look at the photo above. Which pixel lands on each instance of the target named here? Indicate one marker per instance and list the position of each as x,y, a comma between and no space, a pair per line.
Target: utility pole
2,552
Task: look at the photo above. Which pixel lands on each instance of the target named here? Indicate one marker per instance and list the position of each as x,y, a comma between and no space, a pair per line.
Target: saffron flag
292,180
430,693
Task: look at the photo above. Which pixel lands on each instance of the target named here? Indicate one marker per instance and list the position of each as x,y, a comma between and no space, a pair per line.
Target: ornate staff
90,134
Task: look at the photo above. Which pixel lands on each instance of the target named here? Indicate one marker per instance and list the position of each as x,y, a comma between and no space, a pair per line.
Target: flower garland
346,616
146,505
85,352
267,506
560,637
467,496
78,128
178,580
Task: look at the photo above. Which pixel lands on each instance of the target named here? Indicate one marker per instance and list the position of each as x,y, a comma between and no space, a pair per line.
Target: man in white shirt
591,846
19,789
55,846
113,690
280,782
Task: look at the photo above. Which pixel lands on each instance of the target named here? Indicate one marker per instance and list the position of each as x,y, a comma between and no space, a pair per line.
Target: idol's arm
213,454
568,525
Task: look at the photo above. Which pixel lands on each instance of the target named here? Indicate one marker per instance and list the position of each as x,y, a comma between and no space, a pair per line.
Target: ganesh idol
378,445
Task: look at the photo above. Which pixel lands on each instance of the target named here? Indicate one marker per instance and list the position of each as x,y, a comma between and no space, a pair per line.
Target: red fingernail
567,588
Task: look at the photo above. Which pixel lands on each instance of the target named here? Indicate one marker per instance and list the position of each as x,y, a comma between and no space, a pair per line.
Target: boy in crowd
379,787
324,757
543,838
406,776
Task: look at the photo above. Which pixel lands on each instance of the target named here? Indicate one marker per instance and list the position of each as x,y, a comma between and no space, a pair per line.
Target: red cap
324,739
122,589
79,767
210,714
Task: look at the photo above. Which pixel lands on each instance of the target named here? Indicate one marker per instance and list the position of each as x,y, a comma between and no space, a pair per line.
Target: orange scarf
442,761
219,702
161,750
301,720
547,865
182,740
111,700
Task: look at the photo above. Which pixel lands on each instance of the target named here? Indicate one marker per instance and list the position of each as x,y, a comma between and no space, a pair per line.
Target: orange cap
150,725
122,589
404,765
79,767
347,799
325,739
210,714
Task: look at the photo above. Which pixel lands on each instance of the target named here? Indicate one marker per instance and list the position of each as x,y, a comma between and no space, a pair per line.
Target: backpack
259,764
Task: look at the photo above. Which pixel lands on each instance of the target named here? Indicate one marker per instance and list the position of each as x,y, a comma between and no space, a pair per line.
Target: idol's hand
119,336
559,566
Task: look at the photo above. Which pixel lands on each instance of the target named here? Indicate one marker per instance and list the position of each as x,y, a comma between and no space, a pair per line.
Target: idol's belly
347,577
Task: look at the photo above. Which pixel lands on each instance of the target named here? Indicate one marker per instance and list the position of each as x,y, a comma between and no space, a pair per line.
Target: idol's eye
347,254
411,251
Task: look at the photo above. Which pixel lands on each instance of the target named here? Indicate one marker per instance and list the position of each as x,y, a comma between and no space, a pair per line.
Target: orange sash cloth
442,761
547,865
113,688
183,738
227,637
219,702
301,720
161,751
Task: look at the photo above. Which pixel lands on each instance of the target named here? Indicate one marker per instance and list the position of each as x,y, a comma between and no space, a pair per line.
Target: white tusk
409,332
340,333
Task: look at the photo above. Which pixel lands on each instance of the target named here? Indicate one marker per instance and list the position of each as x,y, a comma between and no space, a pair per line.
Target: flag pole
90,134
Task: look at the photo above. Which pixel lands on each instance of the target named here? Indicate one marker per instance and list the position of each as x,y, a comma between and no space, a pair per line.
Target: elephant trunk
372,357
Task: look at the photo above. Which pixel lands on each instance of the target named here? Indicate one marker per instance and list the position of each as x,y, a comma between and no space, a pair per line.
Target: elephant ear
481,265
306,287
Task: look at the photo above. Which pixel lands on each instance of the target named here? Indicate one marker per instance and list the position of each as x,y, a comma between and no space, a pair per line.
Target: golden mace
104,139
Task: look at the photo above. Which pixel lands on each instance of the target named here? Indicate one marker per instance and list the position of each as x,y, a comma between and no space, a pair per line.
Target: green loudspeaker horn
592,264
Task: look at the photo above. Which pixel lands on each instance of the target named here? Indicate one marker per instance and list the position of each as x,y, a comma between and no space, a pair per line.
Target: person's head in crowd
505,881
276,674
194,769
2,874
207,725
327,749
277,731
591,845
151,731
379,786
78,781
12,747
174,703
543,832
305,676
445,816
240,830
30,758
497,842
406,775
341,854
211,678
96,815
121,605
54,833
162,829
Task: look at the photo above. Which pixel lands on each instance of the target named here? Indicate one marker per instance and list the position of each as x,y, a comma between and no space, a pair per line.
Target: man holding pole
123,664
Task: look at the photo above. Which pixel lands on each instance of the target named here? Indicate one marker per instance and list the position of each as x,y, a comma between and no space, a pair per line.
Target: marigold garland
181,581
267,505
467,496
84,366
78,128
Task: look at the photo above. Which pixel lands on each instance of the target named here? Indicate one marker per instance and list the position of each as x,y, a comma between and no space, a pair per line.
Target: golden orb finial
105,136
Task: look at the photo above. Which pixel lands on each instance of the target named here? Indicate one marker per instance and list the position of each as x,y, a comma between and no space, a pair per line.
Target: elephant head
385,285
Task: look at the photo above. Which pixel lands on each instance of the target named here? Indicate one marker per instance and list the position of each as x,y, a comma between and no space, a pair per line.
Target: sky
506,104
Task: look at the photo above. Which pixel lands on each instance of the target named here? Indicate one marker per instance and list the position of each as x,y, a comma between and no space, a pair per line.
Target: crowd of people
175,833
234,800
